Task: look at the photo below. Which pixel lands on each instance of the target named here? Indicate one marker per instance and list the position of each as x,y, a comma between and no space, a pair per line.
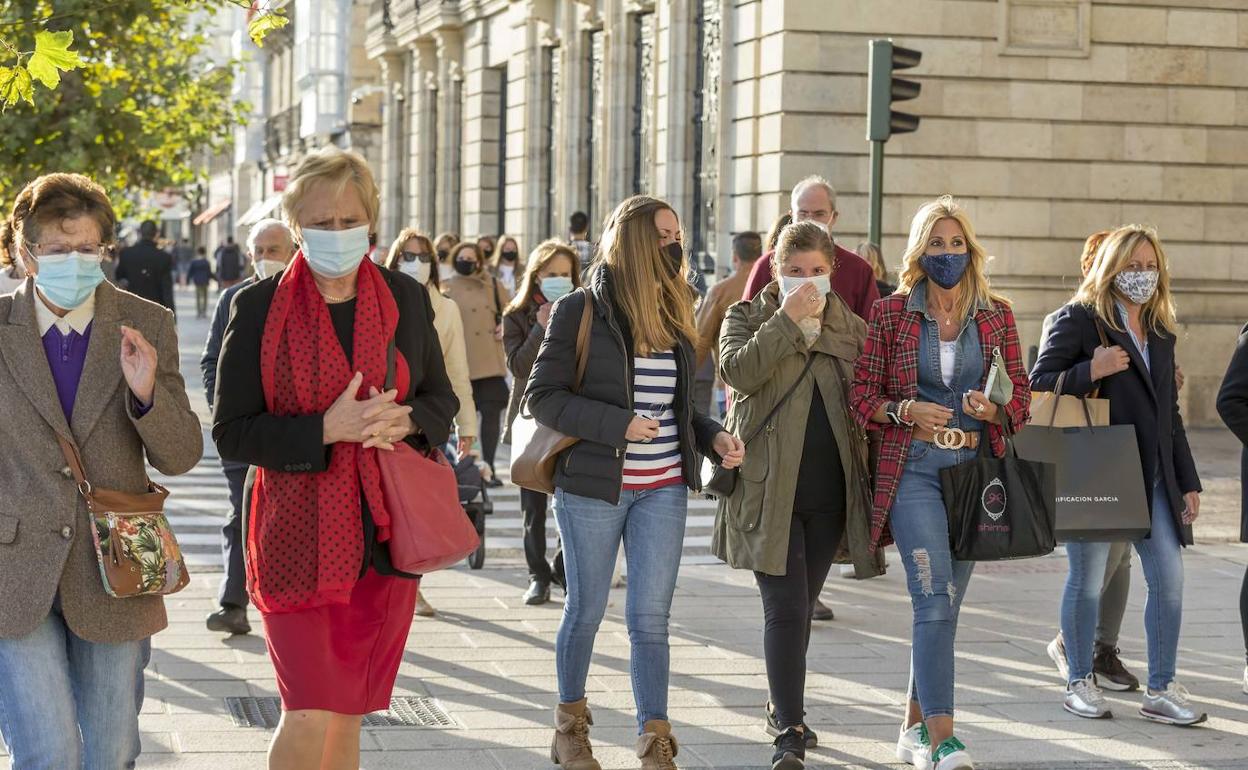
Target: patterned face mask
1137,285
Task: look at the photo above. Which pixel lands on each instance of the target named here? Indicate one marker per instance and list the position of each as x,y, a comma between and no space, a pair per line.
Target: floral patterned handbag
134,545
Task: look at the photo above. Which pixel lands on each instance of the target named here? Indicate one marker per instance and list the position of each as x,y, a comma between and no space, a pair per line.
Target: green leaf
16,85
264,23
52,55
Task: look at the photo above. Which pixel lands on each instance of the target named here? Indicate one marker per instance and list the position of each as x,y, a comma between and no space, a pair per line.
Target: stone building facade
1049,119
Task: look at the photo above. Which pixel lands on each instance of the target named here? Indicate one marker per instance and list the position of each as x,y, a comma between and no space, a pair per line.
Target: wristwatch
891,412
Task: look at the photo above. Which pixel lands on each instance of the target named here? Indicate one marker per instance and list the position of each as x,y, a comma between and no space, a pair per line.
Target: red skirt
343,657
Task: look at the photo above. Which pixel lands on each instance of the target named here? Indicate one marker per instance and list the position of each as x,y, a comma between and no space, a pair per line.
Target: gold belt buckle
950,438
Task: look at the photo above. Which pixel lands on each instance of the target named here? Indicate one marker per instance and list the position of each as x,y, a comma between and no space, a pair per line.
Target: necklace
940,312
337,300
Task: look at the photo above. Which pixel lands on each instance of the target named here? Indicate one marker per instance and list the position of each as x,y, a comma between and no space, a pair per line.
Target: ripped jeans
936,582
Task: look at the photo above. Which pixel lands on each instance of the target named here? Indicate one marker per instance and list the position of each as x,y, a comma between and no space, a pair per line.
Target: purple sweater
66,356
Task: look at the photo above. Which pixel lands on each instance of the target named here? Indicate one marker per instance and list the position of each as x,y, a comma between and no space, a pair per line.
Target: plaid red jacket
887,370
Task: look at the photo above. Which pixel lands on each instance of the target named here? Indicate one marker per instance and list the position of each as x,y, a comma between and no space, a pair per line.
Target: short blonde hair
1097,290
975,288
336,166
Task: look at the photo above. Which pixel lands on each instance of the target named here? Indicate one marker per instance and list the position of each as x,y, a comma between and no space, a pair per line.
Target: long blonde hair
974,285
496,260
657,301
540,257
1097,290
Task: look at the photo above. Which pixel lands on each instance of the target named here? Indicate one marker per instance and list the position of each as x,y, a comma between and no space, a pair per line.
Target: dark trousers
233,588
1243,610
787,599
533,504
201,300
490,395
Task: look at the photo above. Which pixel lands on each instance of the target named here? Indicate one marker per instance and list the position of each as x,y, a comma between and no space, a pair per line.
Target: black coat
1137,396
1233,406
246,432
600,413
146,270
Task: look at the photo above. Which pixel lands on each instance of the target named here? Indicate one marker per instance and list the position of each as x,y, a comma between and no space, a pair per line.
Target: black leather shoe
229,620
821,611
538,593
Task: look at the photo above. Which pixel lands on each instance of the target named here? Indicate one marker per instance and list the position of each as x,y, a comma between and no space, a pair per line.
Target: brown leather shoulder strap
73,459
582,337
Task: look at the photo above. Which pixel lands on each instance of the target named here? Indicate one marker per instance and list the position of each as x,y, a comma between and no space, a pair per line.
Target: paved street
487,660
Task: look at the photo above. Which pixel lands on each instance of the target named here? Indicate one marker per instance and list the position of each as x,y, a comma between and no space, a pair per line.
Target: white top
507,276
656,463
77,319
948,358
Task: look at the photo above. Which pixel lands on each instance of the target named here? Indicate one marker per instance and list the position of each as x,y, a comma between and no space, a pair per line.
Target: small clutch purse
999,388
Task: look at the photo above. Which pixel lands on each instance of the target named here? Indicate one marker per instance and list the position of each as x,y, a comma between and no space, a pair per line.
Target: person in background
1233,409
628,478
777,227
553,272
875,258
199,275
747,247
486,244
229,259
301,395
920,381
1126,296
507,265
481,299
413,254
444,244
87,362
145,269
796,501
183,254
814,199
270,247
578,236
11,274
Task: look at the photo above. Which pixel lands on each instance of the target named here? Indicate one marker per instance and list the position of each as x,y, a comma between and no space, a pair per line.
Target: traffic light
883,89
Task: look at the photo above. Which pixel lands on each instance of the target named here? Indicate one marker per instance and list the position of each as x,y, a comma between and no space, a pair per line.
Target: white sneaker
951,755
914,747
1245,680
1057,653
1172,707
1085,699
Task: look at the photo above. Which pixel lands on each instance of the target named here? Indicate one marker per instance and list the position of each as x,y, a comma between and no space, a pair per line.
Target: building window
597,61
706,108
501,204
643,102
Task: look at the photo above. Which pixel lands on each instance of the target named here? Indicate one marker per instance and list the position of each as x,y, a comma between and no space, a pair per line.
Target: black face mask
465,266
488,252
443,254
675,254
510,256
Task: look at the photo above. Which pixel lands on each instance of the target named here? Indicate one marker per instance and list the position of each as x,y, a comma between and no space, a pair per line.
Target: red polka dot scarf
305,539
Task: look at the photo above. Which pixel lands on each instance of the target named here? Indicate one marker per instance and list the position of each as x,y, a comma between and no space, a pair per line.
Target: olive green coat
762,351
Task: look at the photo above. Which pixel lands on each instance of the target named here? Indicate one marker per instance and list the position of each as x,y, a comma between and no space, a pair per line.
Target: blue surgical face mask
945,270
67,280
791,283
555,286
335,253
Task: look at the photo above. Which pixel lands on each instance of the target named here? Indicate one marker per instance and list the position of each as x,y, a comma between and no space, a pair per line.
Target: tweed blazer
45,534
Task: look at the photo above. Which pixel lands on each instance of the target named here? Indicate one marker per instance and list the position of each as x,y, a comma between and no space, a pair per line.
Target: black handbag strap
754,434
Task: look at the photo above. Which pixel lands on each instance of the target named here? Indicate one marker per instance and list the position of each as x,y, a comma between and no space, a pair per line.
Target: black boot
538,593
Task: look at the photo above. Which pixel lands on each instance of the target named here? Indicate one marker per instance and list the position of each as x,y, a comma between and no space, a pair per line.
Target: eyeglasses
412,256
57,249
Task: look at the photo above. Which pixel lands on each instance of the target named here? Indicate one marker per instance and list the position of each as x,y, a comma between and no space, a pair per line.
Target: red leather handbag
429,529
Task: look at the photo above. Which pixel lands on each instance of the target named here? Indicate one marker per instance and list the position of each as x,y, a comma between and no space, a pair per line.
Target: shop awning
211,213
260,210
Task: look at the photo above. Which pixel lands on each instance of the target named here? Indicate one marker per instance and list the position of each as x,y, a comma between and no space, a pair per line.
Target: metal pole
877,191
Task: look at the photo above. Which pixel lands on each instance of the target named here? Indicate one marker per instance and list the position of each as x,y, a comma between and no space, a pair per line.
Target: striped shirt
655,463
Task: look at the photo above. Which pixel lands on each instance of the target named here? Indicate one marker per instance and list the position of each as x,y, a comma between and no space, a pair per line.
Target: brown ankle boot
570,748
656,746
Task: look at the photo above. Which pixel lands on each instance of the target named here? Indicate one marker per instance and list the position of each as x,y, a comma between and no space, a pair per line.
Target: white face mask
267,267
418,270
335,253
445,271
791,283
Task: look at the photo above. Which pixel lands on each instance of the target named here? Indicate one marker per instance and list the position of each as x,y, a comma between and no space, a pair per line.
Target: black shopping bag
1100,483
999,507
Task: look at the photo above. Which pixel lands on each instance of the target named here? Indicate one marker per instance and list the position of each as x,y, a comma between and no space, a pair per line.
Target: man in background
146,269
229,259
747,247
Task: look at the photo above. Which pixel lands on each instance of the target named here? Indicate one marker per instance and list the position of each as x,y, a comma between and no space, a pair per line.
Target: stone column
450,128
422,139
393,171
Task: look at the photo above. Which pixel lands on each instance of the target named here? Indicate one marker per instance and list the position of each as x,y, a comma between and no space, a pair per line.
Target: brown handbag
534,465
1055,410
134,544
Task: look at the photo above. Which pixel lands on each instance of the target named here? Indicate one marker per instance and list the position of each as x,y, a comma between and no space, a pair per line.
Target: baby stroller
475,499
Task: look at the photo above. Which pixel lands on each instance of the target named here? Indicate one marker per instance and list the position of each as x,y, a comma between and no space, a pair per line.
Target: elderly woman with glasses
82,362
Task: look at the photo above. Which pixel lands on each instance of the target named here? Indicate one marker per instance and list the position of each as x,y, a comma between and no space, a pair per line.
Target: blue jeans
1161,556
66,703
651,524
936,582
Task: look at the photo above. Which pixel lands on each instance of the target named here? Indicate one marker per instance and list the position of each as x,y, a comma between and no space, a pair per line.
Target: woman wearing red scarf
301,397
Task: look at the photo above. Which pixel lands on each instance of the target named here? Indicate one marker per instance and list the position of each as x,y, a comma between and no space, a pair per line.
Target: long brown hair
657,301
396,248
496,260
1090,249
974,285
777,227
1097,290
539,258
